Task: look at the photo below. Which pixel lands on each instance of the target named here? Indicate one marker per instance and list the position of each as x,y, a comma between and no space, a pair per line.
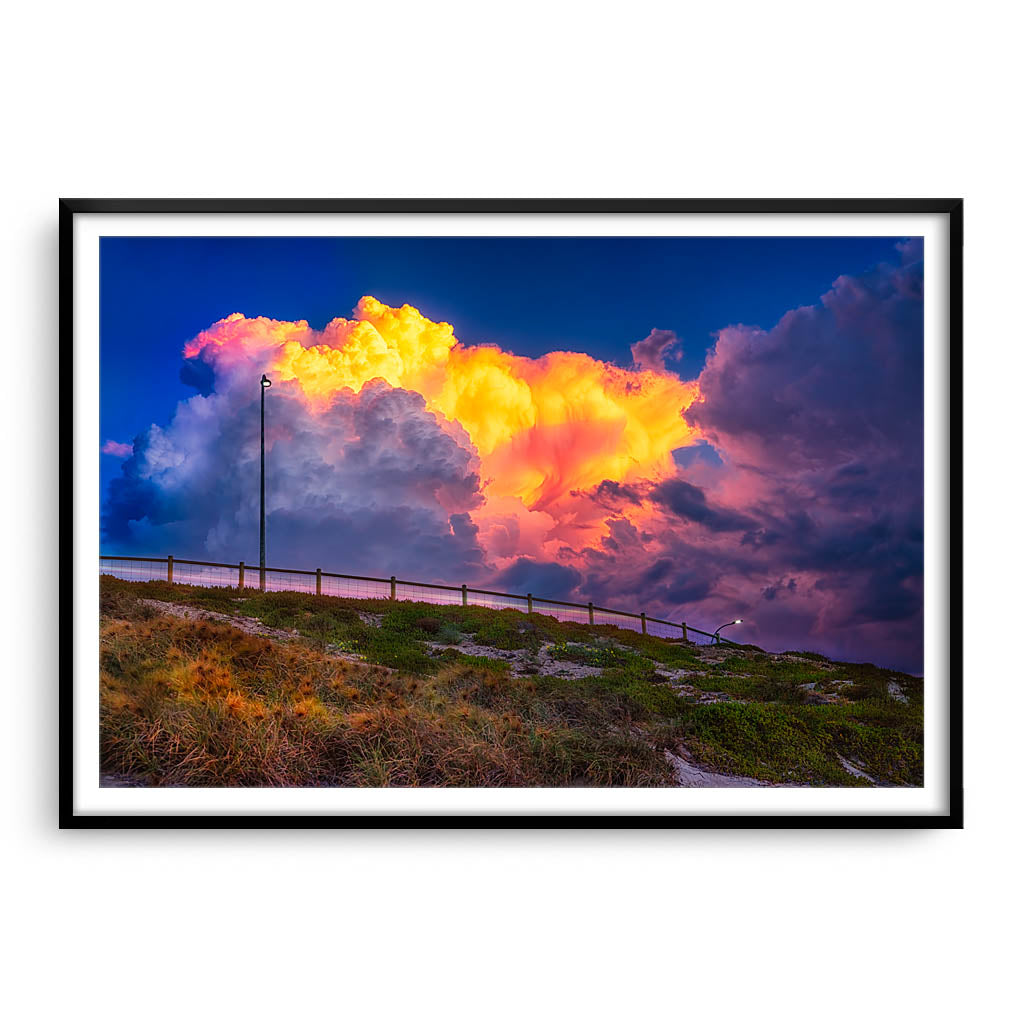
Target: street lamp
264,384
733,622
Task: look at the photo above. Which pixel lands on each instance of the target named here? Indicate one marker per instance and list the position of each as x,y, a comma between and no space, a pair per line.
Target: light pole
733,622
264,384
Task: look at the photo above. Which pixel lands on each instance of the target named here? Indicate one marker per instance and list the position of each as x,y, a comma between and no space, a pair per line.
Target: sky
706,428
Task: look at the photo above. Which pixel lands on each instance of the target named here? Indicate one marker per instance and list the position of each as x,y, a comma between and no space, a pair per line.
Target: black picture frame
951,208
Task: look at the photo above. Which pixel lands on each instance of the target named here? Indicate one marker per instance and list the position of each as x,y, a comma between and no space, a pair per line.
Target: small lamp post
734,622
264,384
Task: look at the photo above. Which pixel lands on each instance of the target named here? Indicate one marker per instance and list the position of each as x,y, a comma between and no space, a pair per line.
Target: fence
335,584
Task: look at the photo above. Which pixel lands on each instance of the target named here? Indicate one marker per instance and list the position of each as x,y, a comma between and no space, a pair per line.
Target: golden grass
197,703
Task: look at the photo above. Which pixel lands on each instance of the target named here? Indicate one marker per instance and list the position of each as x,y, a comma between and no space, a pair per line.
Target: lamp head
265,381
737,622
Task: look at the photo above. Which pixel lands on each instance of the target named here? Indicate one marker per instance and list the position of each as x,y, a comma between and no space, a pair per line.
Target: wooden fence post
318,591
529,604
241,575
170,568
393,588
643,623
684,632
590,611
465,594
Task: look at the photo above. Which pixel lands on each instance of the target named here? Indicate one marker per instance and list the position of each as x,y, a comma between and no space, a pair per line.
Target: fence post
318,582
590,611
392,588
684,632
241,575
643,623
170,568
529,604
465,594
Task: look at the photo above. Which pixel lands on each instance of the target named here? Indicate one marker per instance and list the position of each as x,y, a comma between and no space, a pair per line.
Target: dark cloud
129,499
546,579
772,591
199,375
613,495
689,502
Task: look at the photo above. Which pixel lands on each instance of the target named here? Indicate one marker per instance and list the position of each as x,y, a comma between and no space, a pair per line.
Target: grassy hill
213,687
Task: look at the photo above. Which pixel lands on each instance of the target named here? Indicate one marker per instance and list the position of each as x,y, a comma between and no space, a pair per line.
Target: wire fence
332,584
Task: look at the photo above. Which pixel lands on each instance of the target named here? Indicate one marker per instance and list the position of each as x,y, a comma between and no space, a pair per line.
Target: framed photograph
574,513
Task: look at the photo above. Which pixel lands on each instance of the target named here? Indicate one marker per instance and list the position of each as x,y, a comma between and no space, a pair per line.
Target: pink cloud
118,448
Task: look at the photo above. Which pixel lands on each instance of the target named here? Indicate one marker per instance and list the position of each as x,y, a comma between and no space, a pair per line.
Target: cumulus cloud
387,434
540,426
837,382
808,522
543,430
118,448
368,483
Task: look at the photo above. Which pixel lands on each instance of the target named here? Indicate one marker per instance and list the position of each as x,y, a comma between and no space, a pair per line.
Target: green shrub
779,743
448,634
479,661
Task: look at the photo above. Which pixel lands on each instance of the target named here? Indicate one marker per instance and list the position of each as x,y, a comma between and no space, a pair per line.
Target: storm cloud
369,483
811,526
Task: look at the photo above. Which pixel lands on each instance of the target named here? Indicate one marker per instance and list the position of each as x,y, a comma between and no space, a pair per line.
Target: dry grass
195,703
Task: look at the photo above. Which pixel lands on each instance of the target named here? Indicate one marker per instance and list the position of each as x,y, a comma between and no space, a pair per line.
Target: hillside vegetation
216,687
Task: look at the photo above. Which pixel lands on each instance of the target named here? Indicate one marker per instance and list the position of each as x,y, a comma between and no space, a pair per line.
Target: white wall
532,99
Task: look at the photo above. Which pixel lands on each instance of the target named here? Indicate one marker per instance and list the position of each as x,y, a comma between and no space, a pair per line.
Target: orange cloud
543,428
